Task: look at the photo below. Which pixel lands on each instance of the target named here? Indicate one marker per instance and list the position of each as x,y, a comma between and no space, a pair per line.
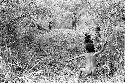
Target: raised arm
96,53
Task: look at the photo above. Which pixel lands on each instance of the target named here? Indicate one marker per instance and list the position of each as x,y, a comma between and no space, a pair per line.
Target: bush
62,44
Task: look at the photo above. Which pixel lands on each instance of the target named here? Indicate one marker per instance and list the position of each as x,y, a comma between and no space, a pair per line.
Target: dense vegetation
43,35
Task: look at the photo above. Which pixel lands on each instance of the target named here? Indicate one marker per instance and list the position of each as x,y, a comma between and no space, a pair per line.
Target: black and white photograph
62,41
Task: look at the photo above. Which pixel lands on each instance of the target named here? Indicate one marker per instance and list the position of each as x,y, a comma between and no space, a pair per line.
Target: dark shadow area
88,38
90,47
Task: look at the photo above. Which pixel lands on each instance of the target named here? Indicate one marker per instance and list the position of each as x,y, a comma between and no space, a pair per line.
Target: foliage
62,44
27,44
111,57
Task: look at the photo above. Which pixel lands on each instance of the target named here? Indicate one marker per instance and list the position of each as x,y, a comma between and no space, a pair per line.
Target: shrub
62,44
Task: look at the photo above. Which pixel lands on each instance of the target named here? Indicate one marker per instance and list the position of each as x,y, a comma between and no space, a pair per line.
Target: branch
29,62
34,66
103,48
37,64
